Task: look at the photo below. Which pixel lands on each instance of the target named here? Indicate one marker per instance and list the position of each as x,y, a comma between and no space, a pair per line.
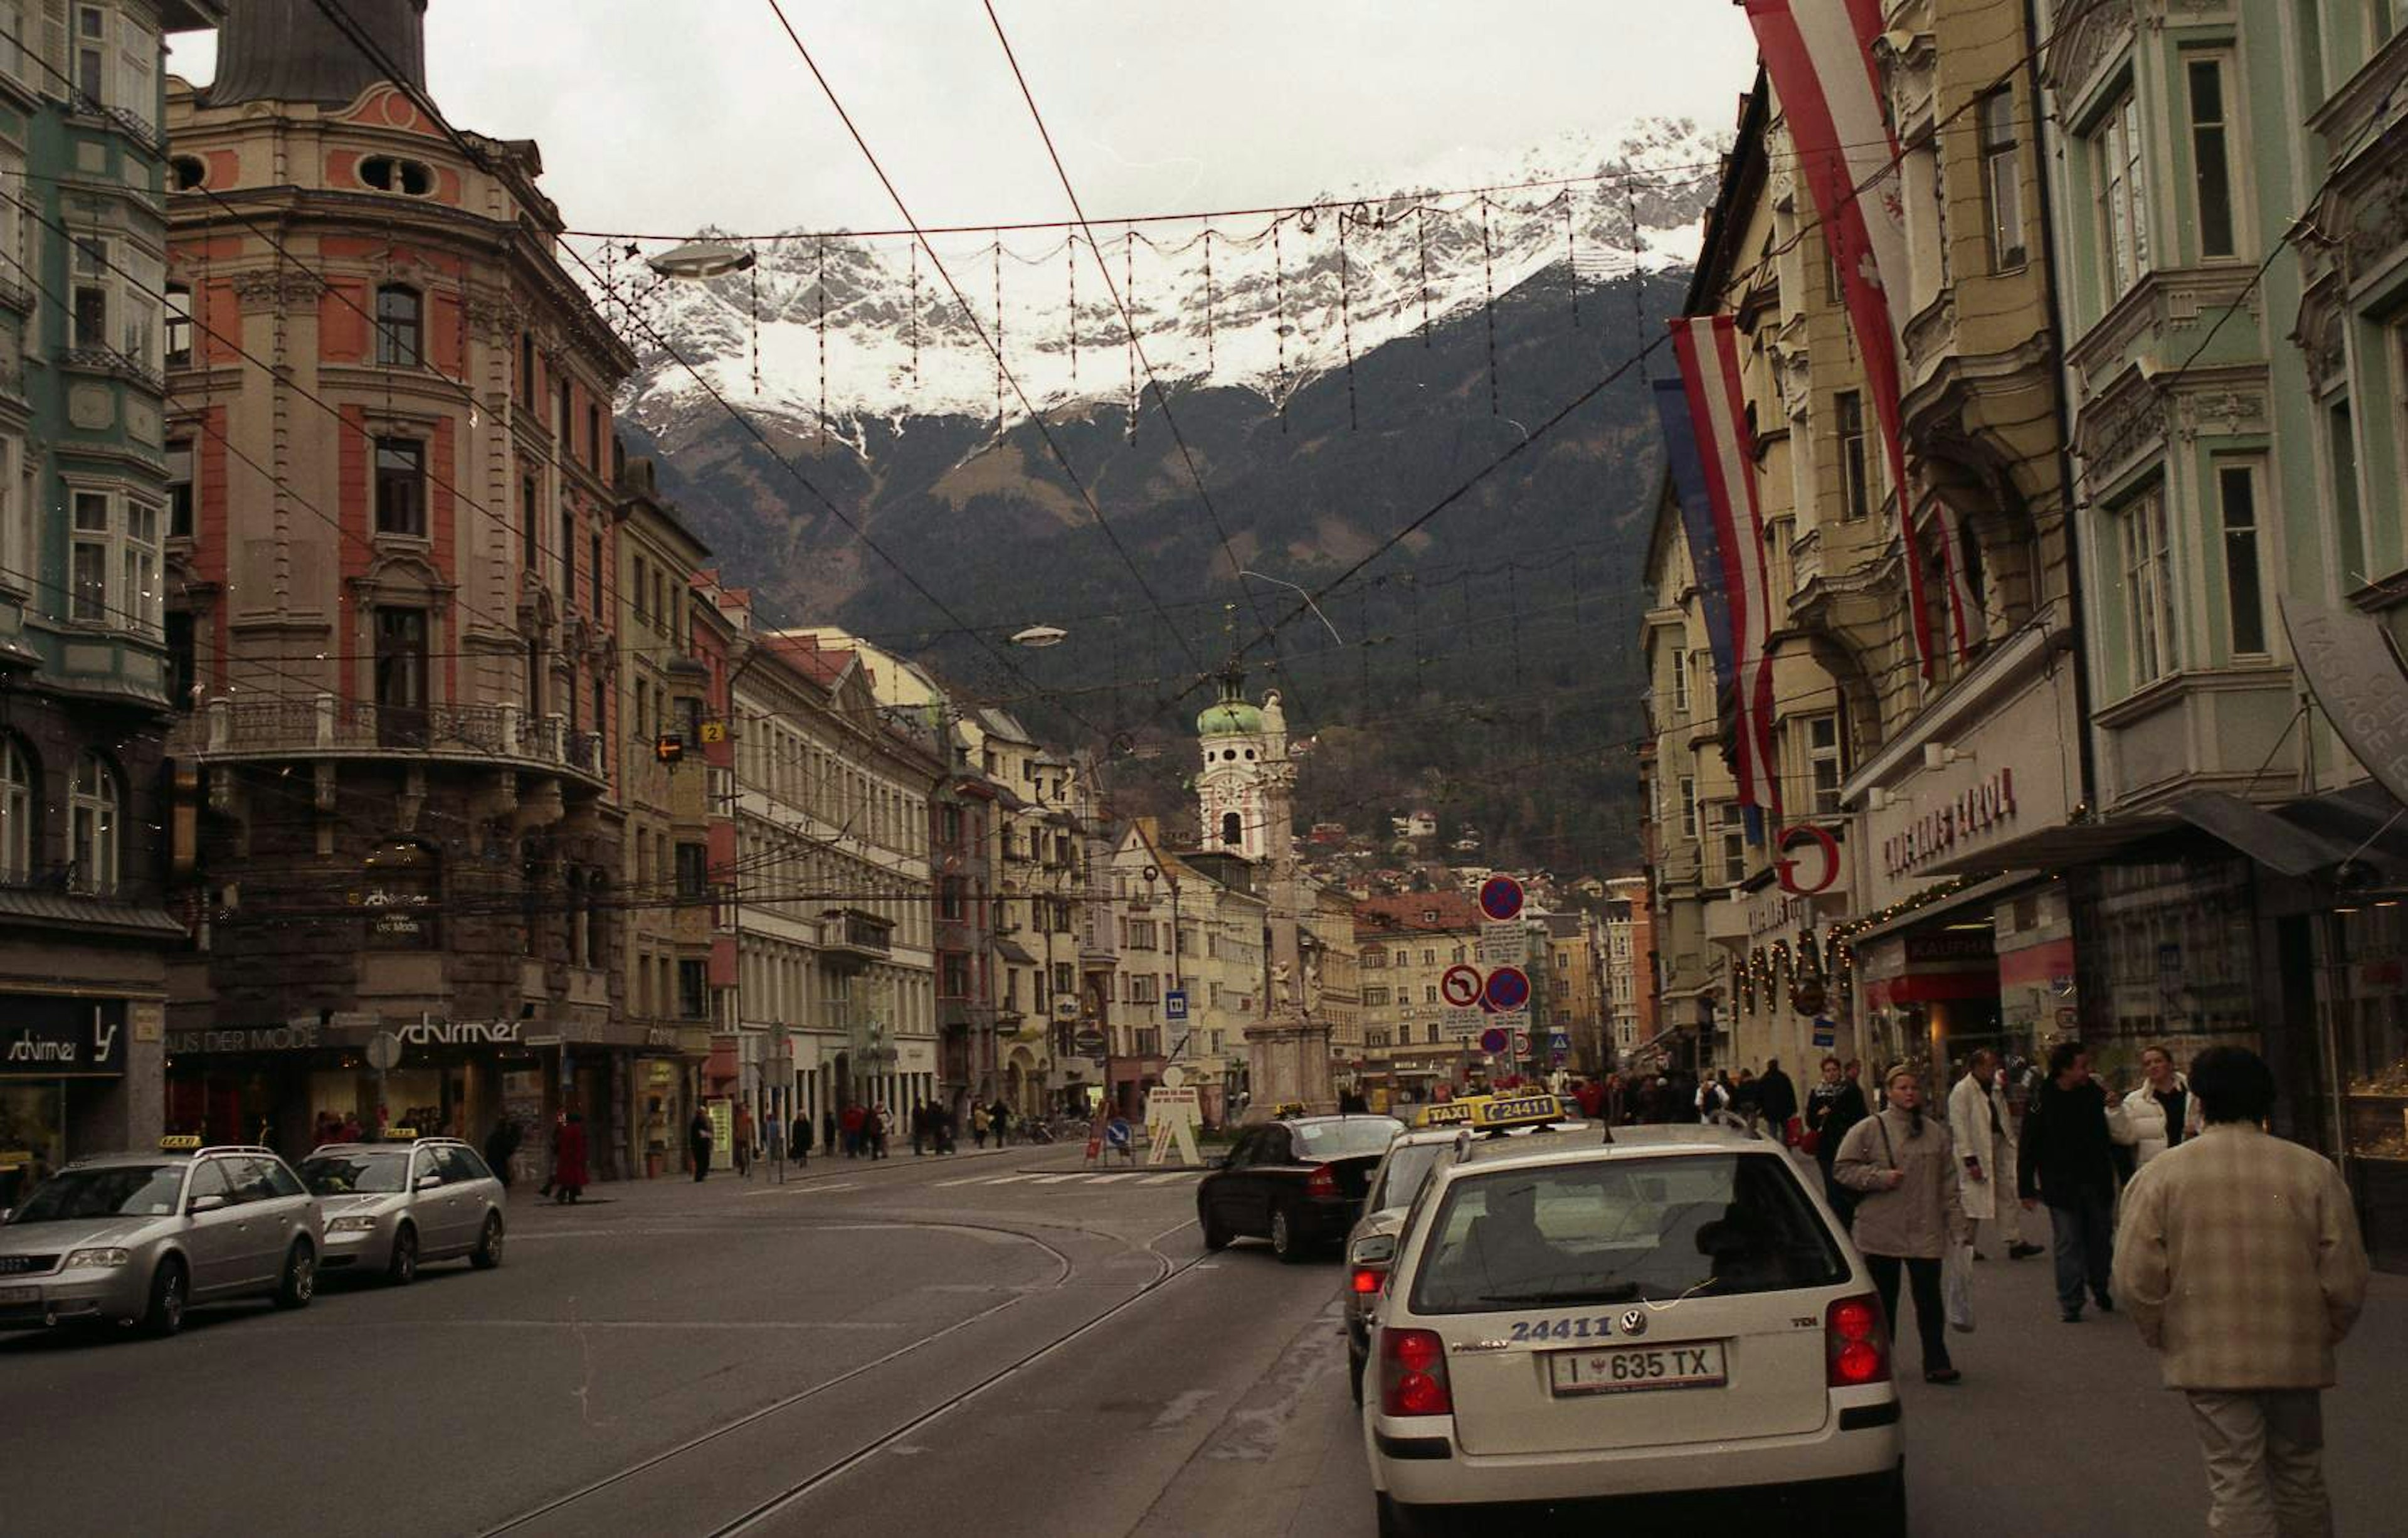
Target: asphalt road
994,1344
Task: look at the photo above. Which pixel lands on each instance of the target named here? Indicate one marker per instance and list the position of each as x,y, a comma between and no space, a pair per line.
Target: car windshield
1407,1166
114,1190
356,1173
1613,1231
1316,1139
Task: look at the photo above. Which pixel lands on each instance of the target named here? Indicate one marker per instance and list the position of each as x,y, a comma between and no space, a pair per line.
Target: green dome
1229,718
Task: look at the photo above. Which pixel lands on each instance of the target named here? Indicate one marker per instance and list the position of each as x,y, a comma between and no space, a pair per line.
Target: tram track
573,1502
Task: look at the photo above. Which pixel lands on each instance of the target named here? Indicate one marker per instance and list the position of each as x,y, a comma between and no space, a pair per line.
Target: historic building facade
392,596
86,508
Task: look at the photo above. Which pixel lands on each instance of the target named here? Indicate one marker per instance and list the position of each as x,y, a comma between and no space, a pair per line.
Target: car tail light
1413,1374
1856,1342
1322,1182
1368,1279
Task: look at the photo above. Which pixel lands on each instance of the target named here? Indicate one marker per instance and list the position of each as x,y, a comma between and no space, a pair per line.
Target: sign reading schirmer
1976,808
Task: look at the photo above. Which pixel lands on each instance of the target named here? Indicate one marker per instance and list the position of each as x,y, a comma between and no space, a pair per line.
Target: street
990,1343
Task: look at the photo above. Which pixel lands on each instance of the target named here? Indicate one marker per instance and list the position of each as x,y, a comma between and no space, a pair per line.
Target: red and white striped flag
1819,56
1708,348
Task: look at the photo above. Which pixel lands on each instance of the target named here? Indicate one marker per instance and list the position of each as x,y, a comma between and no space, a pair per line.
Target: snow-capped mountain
868,329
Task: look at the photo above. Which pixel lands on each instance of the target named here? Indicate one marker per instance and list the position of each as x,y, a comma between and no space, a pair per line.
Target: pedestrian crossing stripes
1078,1177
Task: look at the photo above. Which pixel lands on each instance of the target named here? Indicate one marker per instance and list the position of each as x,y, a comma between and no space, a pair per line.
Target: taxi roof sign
1448,1113
179,1143
1498,1112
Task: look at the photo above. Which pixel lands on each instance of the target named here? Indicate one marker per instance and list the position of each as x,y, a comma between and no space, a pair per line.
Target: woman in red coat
569,1160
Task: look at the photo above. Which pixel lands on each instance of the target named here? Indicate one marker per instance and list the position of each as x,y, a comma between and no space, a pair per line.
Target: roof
88,916
1402,914
288,51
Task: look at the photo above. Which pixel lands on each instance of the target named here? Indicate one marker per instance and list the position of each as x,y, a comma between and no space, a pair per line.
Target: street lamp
699,260
1039,637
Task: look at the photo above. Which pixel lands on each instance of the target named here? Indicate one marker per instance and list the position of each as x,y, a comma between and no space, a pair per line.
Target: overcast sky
663,115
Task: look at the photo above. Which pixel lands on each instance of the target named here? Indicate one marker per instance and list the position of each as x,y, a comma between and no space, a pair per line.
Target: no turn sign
1461,985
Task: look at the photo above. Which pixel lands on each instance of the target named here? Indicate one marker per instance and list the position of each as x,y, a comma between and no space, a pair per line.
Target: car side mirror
204,1204
1373,1249
1218,1161
428,1182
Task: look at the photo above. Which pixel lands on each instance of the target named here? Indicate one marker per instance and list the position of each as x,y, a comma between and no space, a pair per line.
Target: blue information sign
1174,1005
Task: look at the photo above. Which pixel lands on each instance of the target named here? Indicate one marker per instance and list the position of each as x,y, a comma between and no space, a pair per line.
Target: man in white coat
1979,1126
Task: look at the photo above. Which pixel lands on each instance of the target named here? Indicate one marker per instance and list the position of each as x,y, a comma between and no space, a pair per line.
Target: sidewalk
682,1190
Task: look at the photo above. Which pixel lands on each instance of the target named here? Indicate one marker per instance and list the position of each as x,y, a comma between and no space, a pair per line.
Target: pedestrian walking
569,1160
874,1126
978,1125
2160,1113
941,1116
2067,1160
1904,1165
851,1123
501,1146
1832,1107
828,1130
743,1140
921,1130
999,1121
1776,1097
798,1143
1986,1151
1712,1098
2242,1264
559,1123
697,1142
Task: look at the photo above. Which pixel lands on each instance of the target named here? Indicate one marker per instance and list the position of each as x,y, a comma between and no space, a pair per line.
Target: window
1429,995
567,418
401,676
568,558
185,173
2003,180
640,570
89,313
2116,149
1688,807
113,562
2148,588
184,661
526,370
1233,829
694,990
593,553
2211,156
1734,840
387,174
179,325
400,327
1823,768
1375,997
90,60
530,537
1855,471
12,39
17,802
2236,485
96,813
179,489
401,487
593,437
2340,462
1681,683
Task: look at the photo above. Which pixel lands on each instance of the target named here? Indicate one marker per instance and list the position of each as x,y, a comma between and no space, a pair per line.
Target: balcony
322,727
851,940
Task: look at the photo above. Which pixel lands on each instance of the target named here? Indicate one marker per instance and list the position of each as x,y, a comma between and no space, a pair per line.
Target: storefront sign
253,1039
1976,808
1819,866
660,1036
453,1033
62,1038
2356,676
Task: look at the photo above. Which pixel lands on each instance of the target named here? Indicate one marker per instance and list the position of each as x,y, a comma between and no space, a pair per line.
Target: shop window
401,487
96,814
19,797
2003,180
400,327
401,886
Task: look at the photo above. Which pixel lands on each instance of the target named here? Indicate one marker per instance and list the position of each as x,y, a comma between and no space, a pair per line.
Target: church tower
1240,743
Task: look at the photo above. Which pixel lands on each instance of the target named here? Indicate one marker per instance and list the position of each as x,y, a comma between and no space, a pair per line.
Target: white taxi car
1573,1321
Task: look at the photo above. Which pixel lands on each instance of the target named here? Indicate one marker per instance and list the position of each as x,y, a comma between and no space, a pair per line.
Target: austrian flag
1818,54
1708,348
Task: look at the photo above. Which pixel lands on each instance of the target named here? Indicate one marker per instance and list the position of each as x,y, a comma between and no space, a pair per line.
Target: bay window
2003,180
2116,150
2211,147
2236,486
2148,588
113,570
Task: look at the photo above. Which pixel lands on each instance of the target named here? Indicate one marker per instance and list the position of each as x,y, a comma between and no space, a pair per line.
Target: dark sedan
1297,1182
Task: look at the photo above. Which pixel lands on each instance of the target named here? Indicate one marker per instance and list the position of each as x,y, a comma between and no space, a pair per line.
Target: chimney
288,50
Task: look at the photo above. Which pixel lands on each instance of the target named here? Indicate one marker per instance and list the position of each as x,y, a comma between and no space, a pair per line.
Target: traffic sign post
1463,1021
1508,989
1493,1040
1500,898
1174,1006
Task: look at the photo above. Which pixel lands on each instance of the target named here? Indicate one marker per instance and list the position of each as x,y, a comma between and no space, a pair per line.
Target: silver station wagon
391,1206
138,1238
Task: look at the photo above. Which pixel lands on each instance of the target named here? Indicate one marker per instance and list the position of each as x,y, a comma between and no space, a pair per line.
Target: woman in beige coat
1903,1163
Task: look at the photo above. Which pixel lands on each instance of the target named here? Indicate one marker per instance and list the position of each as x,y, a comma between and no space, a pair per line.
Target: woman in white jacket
2160,1113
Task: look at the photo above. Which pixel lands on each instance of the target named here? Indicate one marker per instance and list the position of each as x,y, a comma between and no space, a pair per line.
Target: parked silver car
391,1206
1394,1185
138,1238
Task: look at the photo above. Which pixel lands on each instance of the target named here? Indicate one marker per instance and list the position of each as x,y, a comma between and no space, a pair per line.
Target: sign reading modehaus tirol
1979,808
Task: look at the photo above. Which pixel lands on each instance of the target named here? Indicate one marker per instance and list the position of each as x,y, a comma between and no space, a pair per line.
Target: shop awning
2275,842
1012,950
2054,849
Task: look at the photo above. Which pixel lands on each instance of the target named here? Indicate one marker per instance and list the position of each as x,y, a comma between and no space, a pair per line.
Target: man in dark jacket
697,1142
1832,1107
1776,1099
2067,1161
